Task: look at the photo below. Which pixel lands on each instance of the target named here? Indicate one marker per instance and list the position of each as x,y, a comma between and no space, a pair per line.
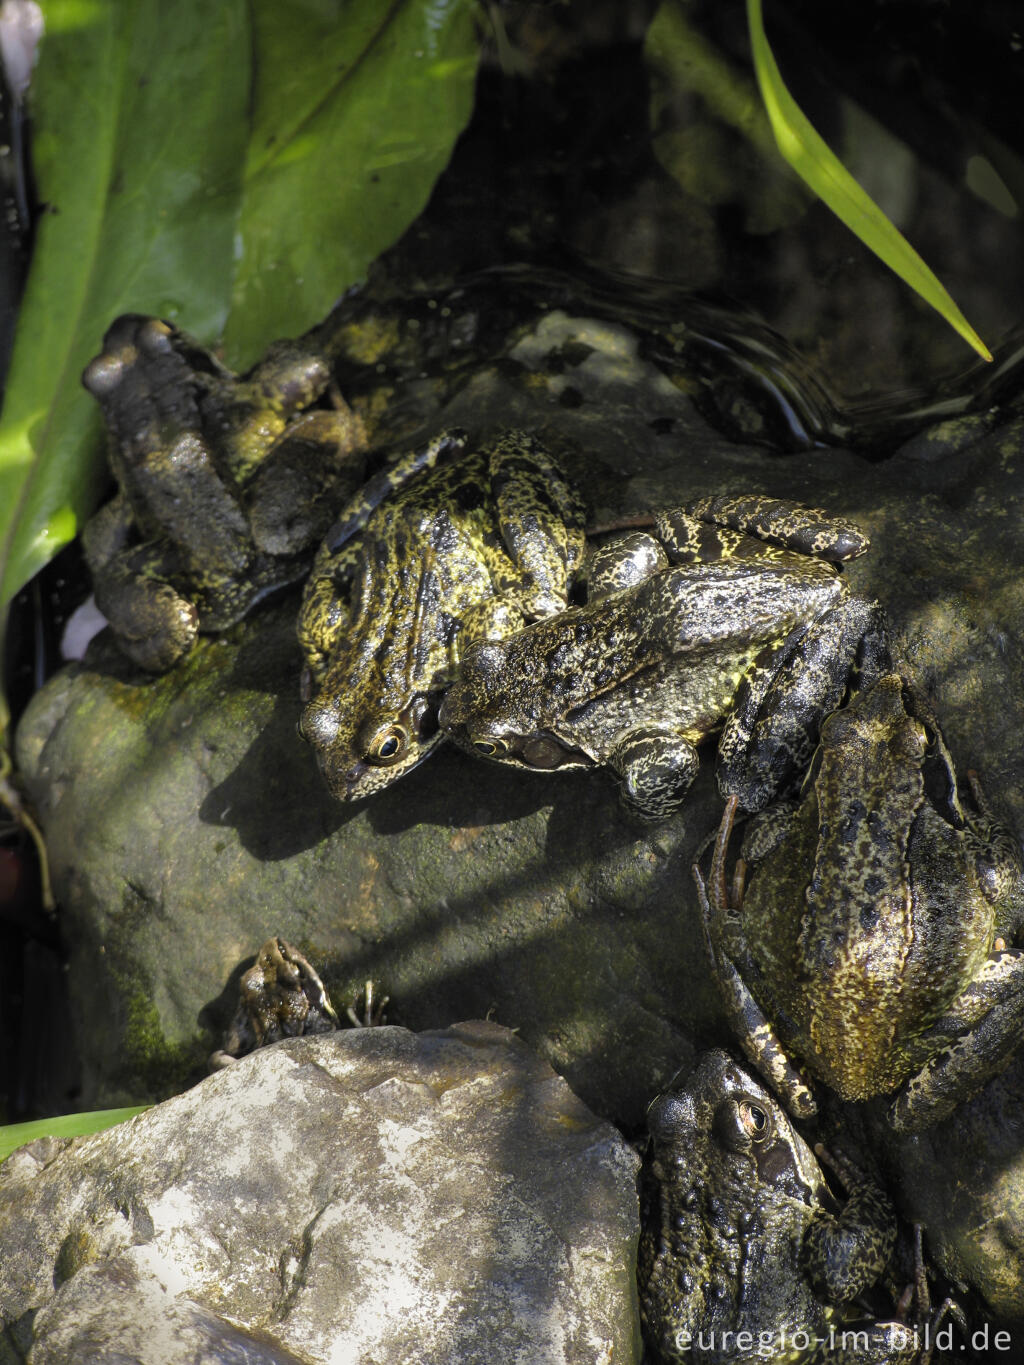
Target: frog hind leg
250,412
979,1034
772,732
154,624
325,614
775,521
353,516
723,937
290,499
656,769
541,520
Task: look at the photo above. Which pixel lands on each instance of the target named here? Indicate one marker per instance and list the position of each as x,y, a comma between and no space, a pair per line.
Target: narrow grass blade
64,1126
812,160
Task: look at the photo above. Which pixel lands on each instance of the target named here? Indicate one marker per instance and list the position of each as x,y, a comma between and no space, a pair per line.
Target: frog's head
722,1106
484,713
884,748
722,1149
363,750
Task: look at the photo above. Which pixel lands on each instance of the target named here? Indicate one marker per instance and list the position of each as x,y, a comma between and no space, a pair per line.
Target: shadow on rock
274,798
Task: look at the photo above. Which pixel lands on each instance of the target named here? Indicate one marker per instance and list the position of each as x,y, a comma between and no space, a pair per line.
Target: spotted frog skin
486,539
750,631
225,483
744,1253
869,940
279,996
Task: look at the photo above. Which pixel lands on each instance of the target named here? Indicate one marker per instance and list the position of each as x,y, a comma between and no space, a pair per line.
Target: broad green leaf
351,128
64,1126
220,163
813,161
140,135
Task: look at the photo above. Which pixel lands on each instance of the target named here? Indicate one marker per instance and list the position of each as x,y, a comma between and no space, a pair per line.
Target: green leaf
137,155
64,1126
812,160
353,121
222,164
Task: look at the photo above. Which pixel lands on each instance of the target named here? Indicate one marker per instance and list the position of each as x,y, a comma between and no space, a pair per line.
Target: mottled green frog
226,483
468,545
869,940
750,630
744,1253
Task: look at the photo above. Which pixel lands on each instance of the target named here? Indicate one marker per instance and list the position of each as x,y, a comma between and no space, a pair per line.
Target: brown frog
745,1255
869,940
226,483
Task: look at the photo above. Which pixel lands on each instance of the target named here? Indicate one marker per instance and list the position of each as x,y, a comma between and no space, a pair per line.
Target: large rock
963,1180
187,823
370,1196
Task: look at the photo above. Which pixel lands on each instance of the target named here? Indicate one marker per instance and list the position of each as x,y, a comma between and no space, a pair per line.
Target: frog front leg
978,1036
723,938
772,731
656,768
541,520
843,1255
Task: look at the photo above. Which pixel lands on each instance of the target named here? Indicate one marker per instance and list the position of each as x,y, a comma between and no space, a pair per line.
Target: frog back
865,955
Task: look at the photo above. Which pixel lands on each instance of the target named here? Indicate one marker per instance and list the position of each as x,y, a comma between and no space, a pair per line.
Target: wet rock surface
372,1195
467,889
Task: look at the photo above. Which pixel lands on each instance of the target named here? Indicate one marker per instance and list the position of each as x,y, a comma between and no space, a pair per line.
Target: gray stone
186,822
369,1196
963,1181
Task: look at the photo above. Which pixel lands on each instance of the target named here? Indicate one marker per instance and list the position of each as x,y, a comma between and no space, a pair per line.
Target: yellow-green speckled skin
467,551
655,662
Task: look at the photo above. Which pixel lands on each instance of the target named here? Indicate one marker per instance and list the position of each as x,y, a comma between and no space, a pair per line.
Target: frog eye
755,1121
490,748
387,746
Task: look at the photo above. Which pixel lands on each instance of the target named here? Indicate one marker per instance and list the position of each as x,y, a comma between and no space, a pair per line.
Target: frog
225,483
745,1254
731,616
283,996
280,996
478,539
864,940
